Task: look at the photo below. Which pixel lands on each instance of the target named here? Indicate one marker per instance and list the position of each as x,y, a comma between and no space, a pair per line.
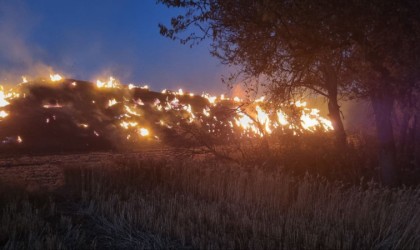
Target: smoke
17,54
358,116
238,90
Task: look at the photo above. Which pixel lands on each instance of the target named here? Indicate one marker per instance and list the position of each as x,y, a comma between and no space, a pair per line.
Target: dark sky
85,39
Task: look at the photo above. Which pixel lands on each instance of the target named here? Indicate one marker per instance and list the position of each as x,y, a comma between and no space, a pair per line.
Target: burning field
153,192
57,114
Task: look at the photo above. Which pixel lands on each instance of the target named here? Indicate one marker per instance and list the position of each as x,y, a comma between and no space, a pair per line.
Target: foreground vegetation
151,204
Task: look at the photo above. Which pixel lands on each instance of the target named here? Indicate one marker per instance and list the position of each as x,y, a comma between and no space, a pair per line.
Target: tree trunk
337,123
382,103
331,83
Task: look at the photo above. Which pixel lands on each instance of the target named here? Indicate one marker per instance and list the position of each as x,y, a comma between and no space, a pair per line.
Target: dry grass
150,204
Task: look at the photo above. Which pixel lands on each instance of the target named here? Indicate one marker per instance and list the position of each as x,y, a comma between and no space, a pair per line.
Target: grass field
137,203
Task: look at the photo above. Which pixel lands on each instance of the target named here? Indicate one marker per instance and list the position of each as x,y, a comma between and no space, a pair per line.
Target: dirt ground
34,172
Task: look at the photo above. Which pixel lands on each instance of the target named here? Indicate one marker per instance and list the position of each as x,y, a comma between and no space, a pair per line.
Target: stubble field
159,199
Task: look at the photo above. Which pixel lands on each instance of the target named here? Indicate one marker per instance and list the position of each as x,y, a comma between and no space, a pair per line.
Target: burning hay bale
59,114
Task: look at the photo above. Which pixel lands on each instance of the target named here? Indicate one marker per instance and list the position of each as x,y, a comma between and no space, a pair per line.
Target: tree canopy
348,49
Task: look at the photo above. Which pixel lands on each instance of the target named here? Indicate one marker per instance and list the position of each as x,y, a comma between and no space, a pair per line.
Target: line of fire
60,114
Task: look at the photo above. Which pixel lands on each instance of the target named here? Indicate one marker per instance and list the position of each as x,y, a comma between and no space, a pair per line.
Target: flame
49,106
140,102
56,77
246,123
211,99
111,83
24,79
127,125
312,120
264,119
300,104
144,132
3,114
261,99
237,99
3,97
251,119
206,111
130,111
112,102
282,118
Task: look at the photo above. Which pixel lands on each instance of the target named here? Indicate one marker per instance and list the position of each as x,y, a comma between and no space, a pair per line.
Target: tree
271,39
352,48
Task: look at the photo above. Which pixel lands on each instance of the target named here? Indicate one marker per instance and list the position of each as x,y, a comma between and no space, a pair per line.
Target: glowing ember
3,114
52,106
206,111
144,132
112,102
131,111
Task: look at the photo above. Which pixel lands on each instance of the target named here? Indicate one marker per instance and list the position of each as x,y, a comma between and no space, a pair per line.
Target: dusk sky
87,39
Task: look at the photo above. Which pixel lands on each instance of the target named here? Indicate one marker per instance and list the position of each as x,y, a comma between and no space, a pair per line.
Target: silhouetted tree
269,39
355,49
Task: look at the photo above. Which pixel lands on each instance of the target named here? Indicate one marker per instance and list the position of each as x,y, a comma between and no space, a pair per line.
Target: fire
170,109
144,132
56,77
3,114
237,99
112,102
264,119
3,97
51,106
211,99
312,120
127,125
111,83
131,111
247,124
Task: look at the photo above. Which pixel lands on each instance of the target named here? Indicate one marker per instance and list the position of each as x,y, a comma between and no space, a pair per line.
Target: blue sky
85,39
